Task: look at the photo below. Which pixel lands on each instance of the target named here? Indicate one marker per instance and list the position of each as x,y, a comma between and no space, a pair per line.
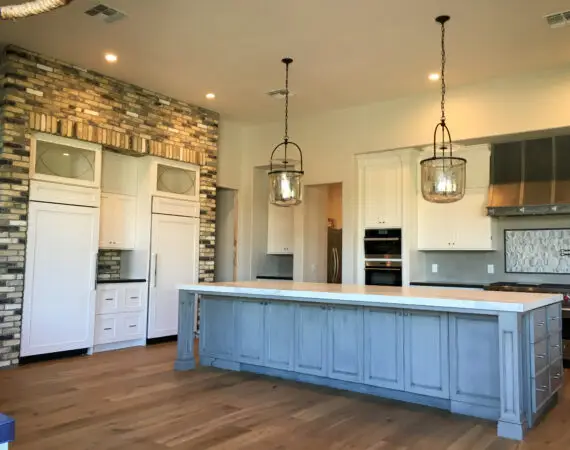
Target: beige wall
330,140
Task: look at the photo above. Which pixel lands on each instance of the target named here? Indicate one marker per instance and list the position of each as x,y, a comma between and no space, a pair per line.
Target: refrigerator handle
337,275
155,269
335,265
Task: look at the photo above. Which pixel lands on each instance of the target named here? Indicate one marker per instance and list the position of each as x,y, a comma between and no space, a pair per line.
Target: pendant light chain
286,137
443,61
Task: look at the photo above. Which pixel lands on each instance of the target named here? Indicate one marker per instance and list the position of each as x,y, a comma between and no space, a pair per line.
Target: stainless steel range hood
530,177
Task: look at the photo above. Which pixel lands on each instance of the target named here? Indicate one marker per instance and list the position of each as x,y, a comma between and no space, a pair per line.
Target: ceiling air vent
558,20
106,13
280,93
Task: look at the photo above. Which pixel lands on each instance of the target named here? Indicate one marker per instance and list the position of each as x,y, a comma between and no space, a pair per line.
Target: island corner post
416,346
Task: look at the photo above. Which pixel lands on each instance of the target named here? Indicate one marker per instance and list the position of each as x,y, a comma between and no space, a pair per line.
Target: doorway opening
322,233
226,235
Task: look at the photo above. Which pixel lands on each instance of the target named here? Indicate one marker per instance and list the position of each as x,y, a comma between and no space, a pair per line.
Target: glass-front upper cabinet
64,160
176,180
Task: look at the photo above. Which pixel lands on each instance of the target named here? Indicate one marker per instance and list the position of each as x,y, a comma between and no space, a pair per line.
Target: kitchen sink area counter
494,355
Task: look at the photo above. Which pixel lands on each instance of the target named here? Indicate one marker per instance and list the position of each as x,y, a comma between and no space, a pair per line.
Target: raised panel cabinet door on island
217,328
345,353
384,348
279,334
280,230
311,339
118,227
426,353
249,331
382,192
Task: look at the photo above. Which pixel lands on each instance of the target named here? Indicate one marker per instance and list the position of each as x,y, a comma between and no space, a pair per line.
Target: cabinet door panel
217,328
382,193
345,343
426,353
472,227
310,337
474,382
384,348
435,222
118,215
279,335
249,331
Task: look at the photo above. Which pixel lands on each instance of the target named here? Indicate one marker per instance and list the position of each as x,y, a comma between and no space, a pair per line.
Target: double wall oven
383,257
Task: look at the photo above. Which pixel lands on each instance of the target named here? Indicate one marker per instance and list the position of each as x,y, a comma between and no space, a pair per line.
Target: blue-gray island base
492,355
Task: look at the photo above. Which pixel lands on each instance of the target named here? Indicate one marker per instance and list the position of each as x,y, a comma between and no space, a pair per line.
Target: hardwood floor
132,399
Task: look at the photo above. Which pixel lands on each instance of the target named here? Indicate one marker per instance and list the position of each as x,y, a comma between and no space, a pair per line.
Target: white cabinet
64,160
462,225
121,312
381,192
280,236
175,180
119,174
61,265
118,226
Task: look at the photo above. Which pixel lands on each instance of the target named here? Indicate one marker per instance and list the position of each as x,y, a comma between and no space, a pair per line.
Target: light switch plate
491,268
434,268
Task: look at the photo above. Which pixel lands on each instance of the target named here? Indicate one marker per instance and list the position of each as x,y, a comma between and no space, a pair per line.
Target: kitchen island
495,355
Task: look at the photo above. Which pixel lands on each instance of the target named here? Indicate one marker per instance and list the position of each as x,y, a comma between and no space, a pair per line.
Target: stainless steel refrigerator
334,256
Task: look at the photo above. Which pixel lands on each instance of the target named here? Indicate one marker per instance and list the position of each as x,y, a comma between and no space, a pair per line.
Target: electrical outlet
434,268
491,268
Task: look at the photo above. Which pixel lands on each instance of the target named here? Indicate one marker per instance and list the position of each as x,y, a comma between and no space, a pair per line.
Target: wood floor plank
134,399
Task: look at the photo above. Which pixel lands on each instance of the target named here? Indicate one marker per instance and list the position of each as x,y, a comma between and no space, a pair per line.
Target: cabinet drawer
106,329
556,376
541,390
538,328
133,299
107,300
132,326
555,347
554,318
540,356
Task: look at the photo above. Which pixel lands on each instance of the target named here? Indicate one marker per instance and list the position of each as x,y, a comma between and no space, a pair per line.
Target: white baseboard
118,346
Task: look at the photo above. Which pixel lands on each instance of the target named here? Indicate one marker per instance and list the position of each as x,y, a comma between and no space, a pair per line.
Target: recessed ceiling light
433,76
111,57
66,154
210,96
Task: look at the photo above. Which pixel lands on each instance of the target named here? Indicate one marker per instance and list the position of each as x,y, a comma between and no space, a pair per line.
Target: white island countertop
413,297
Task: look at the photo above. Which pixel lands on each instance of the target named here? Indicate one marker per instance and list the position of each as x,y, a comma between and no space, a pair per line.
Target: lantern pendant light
443,175
285,174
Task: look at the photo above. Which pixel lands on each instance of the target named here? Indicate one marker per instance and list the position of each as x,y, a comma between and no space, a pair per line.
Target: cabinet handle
541,356
542,389
109,299
107,329
557,377
323,308
540,324
555,346
132,326
134,298
554,318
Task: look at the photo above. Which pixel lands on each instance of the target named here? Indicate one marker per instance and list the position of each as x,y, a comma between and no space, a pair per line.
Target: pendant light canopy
443,175
285,174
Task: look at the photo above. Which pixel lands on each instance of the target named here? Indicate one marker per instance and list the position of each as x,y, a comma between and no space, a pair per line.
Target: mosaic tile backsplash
537,251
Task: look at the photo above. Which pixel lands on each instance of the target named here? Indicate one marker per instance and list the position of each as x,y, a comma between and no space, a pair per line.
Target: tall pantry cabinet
61,252
175,241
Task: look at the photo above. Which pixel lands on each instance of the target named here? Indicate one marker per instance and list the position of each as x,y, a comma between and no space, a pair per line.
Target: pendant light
443,175
284,177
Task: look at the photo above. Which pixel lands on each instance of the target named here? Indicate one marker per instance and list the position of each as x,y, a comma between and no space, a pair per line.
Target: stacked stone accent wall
36,90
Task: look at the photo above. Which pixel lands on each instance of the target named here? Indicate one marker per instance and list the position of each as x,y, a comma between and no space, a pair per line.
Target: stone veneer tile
32,83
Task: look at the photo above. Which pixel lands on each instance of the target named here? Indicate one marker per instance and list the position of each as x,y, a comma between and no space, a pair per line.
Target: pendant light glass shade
443,175
285,175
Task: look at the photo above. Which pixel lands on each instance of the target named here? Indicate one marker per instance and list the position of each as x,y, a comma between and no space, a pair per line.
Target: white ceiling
346,52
